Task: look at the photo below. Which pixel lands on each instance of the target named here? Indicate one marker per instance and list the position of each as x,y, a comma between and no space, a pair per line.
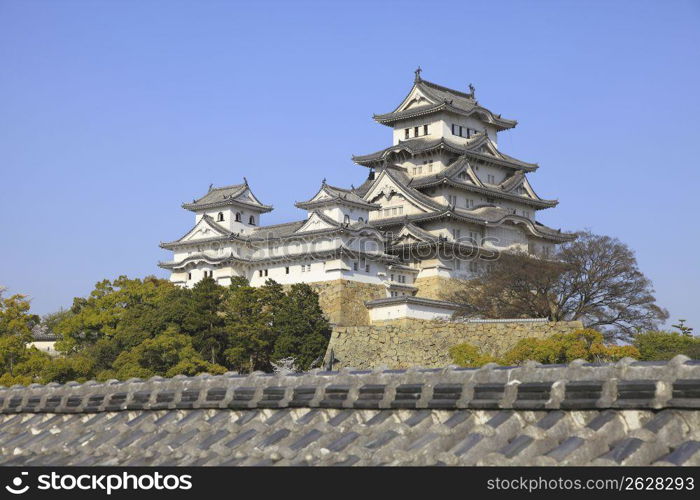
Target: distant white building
436,206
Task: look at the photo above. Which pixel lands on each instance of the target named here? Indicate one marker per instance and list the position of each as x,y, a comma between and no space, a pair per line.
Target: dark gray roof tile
608,415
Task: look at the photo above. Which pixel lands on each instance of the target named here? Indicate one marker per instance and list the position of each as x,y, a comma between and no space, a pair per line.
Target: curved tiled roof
410,299
443,98
628,413
337,196
485,215
448,176
470,148
225,196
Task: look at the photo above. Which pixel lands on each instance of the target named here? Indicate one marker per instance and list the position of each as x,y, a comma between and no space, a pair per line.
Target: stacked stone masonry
343,301
407,343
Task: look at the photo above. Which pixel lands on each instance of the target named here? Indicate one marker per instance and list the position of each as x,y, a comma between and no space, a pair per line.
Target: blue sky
114,113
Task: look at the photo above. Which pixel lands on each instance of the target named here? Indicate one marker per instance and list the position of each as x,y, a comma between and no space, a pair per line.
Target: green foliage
302,330
469,356
167,354
205,320
560,348
683,328
660,345
249,316
563,348
140,328
15,319
129,310
16,323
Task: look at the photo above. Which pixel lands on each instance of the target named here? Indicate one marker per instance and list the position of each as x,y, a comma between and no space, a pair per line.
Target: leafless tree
284,366
594,279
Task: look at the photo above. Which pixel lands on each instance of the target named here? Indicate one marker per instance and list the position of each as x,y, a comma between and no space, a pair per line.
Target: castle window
220,217
460,131
458,264
469,203
392,277
346,219
407,133
265,272
238,217
469,133
360,219
367,268
453,129
430,166
286,270
425,130
491,179
189,276
415,131
400,209
251,220
473,266
260,273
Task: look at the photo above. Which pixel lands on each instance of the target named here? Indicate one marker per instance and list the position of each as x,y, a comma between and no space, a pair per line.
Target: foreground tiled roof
627,413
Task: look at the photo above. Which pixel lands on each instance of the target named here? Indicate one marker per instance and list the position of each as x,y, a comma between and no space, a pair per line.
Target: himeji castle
437,205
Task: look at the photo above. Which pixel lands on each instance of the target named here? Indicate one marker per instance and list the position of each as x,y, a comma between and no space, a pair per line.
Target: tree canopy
559,348
140,328
595,279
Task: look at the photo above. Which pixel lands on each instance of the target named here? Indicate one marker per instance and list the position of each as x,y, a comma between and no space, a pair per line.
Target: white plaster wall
229,221
434,128
45,346
338,213
415,311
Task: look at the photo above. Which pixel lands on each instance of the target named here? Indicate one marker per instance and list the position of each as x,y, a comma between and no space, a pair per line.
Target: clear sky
113,113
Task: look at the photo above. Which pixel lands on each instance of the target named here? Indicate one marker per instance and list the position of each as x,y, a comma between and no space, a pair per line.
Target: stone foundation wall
410,342
436,287
343,301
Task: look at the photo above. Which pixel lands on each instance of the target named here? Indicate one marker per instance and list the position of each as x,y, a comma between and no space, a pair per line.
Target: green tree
302,329
16,323
205,320
560,348
470,356
660,345
123,302
167,354
249,314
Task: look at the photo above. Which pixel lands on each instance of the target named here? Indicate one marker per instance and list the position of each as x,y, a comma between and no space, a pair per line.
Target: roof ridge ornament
472,91
245,181
211,186
418,72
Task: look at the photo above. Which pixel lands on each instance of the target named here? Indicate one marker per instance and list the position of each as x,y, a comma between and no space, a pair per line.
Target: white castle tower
437,206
